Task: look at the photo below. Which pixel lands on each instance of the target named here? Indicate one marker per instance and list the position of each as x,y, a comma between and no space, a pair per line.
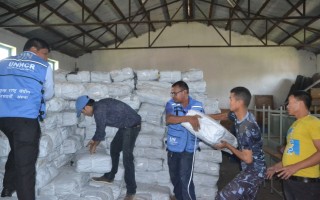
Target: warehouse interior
261,45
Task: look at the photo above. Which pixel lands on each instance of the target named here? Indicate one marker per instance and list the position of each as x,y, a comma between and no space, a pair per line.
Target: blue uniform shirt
249,137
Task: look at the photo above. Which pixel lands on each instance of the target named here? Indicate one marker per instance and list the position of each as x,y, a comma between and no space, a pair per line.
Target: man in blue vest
181,144
26,82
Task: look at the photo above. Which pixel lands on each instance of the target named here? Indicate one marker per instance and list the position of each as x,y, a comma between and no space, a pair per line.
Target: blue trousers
20,172
243,187
180,169
124,141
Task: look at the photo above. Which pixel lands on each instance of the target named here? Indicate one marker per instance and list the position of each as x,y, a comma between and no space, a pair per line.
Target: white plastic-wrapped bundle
129,82
62,160
151,128
204,179
149,140
97,90
132,100
197,87
192,75
159,177
45,146
67,119
119,90
211,106
69,91
154,95
100,77
121,75
98,162
206,192
47,197
50,122
145,164
206,167
211,155
56,105
147,75
151,113
79,77
210,131
4,145
60,75
72,144
55,136
67,182
157,192
151,153
45,174
153,84
170,76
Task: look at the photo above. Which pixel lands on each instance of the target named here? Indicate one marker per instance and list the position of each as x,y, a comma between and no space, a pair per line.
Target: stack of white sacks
64,166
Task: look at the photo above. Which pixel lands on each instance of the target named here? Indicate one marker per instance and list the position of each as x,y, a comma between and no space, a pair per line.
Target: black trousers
124,141
23,135
295,190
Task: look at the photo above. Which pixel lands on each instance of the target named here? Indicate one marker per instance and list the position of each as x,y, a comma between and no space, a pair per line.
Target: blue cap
81,103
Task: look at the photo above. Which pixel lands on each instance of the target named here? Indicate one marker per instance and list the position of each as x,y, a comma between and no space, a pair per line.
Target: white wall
262,70
6,37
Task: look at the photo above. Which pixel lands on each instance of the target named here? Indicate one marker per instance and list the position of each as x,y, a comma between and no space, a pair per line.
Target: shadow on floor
230,167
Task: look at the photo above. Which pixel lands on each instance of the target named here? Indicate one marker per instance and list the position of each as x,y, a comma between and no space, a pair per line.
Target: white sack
99,76
97,90
45,146
153,84
4,145
157,192
149,153
79,77
151,113
157,96
170,76
69,91
206,167
72,144
56,105
44,175
119,89
147,75
192,75
132,100
67,119
204,179
159,177
149,140
121,75
98,162
214,156
151,128
197,87
60,75
210,131
50,122
145,164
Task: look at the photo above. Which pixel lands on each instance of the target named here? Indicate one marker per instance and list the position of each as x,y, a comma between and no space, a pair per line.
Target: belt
304,179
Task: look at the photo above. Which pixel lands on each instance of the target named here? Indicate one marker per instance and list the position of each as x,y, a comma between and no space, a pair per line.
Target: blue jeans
180,169
124,141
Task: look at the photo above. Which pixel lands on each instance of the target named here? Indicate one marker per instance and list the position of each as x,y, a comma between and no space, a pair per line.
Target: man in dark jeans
181,144
114,113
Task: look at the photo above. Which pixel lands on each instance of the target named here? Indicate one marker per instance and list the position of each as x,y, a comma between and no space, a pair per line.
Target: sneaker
102,179
129,197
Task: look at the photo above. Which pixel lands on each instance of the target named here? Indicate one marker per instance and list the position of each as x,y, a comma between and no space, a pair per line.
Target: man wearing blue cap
114,113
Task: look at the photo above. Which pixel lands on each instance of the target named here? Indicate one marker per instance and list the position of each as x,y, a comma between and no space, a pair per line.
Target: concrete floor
228,170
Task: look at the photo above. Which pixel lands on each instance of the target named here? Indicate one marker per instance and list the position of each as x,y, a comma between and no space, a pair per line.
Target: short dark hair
37,43
243,94
181,84
304,96
90,102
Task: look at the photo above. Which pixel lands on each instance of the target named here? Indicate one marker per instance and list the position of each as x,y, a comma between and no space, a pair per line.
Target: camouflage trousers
244,186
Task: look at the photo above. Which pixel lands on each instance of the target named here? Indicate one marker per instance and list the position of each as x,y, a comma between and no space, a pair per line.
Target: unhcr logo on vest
21,66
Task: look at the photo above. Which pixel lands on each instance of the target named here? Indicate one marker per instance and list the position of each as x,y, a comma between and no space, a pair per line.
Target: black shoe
102,179
6,192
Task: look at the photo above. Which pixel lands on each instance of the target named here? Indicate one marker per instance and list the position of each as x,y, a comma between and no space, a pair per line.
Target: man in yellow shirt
299,167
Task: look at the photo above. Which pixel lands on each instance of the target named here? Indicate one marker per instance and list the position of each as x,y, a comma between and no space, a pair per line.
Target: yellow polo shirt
300,145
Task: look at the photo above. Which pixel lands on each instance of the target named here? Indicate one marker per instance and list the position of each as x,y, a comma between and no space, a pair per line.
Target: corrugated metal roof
76,27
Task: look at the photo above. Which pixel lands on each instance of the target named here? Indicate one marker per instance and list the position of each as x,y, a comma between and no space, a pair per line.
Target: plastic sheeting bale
69,91
149,140
132,100
210,131
159,177
98,162
119,90
4,145
97,90
72,144
121,75
79,77
147,75
151,128
197,86
102,77
151,113
192,75
209,155
154,95
153,84
170,76
145,164
206,167
149,153
45,146
67,119
56,105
